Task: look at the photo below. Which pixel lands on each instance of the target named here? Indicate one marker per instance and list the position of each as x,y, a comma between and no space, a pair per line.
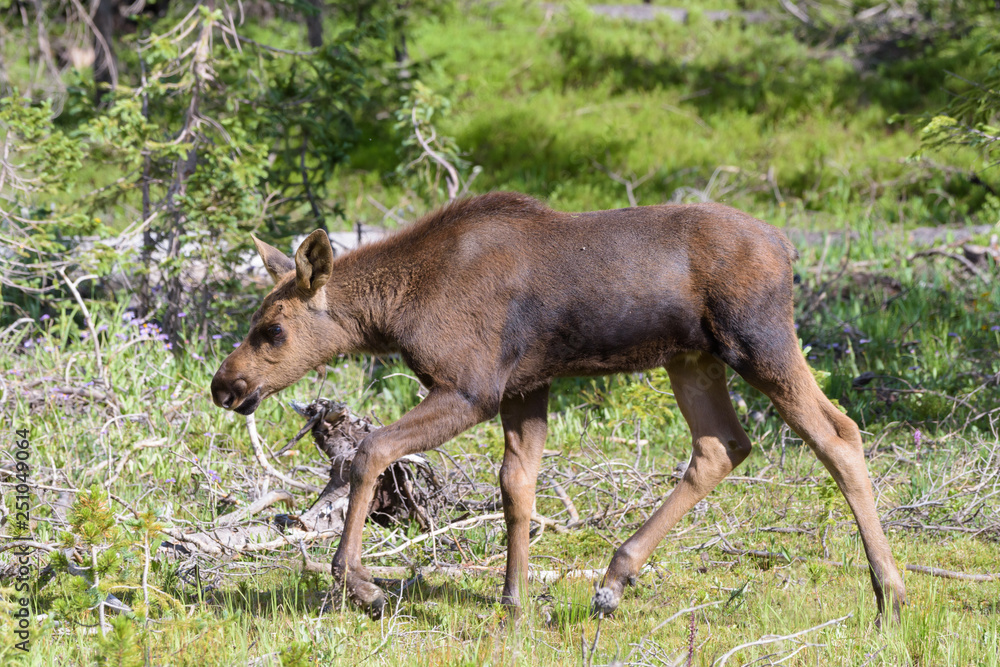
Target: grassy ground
934,494
537,100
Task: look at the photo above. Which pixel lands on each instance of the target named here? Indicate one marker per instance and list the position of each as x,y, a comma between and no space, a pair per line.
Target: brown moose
490,298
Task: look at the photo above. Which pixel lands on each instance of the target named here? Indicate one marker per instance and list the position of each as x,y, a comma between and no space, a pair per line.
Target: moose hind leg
719,445
837,442
525,426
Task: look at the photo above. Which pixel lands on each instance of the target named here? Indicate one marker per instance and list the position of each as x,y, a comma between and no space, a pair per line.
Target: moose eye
275,331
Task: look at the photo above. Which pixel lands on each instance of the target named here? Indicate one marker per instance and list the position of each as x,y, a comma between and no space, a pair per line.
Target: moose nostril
239,387
222,392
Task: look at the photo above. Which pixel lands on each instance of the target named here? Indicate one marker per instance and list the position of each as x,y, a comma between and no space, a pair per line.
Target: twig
465,523
453,180
770,639
688,610
258,451
71,284
975,270
567,502
272,497
148,443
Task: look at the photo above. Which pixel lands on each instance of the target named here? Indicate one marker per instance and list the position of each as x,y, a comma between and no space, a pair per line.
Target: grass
548,103
907,345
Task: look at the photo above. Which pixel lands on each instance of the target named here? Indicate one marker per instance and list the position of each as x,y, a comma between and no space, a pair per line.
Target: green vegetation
812,126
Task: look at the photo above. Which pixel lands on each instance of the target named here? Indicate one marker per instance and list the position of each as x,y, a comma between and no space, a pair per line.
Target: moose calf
490,298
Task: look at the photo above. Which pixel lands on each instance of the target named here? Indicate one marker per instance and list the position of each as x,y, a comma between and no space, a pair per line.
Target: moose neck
369,289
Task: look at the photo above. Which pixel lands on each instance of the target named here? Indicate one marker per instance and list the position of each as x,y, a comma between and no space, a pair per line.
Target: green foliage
430,161
204,139
122,646
647,397
972,117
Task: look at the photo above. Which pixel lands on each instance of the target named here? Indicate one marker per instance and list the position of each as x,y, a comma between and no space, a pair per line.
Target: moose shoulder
490,298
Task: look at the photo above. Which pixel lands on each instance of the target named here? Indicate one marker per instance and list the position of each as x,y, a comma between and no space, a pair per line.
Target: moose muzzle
231,394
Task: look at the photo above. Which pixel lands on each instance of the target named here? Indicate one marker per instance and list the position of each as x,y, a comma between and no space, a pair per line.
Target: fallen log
405,491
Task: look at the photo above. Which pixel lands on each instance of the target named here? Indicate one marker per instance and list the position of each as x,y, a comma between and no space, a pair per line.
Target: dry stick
453,180
949,574
97,581
770,639
108,53
258,451
11,542
294,537
459,571
465,523
567,502
71,284
597,636
688,610
17,323
975,270
272,497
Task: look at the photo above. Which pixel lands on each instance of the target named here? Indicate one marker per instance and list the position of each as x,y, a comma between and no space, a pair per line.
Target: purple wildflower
216,336
917,435
236,344
995,327
44,317
182,314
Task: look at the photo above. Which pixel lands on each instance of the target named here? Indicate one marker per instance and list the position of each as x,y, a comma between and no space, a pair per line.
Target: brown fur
490,298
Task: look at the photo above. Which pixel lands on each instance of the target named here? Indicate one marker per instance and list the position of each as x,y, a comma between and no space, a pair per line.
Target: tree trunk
104,54
314,23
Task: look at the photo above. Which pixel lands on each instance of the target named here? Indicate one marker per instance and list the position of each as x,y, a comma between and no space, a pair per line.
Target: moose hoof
367,596
605,601
357,586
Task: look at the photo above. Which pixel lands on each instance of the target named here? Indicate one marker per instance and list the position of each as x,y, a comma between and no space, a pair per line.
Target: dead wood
407,491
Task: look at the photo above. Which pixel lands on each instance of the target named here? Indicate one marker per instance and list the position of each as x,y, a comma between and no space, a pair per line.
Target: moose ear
275,261
313,262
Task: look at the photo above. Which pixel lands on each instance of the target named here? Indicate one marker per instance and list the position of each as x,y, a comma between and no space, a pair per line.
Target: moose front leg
438,418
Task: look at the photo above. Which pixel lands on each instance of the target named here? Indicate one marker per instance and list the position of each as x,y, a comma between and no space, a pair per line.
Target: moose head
291,333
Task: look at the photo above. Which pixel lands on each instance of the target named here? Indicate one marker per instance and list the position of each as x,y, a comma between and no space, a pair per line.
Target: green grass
548,104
